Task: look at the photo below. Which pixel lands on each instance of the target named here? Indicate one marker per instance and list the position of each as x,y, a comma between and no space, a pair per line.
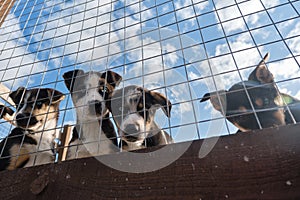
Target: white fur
42,153
137,120
89,125
90,134
44,132
92,94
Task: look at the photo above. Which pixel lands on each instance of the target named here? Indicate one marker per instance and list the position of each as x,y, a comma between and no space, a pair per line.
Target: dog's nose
131,129
131,132
24,119
20,117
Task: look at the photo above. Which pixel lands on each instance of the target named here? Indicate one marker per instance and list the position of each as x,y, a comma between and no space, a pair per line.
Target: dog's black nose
131,129
20,117
24,120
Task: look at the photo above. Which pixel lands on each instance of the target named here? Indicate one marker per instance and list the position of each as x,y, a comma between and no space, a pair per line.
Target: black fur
16,137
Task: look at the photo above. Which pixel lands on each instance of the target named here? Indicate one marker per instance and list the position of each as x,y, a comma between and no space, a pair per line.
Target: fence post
64,138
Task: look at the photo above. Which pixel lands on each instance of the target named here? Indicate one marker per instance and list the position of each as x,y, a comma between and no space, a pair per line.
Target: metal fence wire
121,71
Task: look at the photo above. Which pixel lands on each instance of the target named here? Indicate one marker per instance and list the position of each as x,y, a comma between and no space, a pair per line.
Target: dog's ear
70,77
285,99
6,113
56,96
17,95
261,73
157,99
217,99
112,78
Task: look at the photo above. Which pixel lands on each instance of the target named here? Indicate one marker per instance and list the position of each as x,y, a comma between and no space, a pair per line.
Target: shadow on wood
264,164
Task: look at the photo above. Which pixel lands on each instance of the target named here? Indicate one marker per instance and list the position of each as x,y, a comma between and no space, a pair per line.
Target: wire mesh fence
129,67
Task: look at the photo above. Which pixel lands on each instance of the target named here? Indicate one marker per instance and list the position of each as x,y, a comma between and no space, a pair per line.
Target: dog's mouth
26,121
250,122
131,132
131,138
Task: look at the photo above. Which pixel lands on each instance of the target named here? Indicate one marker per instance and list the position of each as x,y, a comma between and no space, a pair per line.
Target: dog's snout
21,117
95,106
131,132
25,119
131,129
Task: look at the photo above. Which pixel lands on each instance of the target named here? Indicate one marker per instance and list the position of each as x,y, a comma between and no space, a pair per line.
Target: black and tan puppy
32,141
94,133
133,110
261,105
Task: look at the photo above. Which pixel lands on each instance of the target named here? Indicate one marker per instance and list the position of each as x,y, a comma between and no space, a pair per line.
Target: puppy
269,104
32,141
133,110
94,133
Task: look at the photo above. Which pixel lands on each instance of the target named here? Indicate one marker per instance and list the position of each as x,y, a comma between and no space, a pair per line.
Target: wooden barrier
5,6
263,164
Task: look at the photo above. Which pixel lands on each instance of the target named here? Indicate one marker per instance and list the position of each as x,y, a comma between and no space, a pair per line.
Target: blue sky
44,39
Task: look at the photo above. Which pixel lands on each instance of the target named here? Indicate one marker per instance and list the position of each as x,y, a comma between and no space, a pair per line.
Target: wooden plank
64,138
5,6
263,164
4,94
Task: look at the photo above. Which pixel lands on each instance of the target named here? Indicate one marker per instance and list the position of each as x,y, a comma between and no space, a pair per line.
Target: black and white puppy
32,141
133,110
94,133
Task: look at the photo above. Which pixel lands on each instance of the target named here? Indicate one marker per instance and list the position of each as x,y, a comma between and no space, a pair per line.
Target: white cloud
294,43
285,69
233,12
250,7
297,95
185,9
11,59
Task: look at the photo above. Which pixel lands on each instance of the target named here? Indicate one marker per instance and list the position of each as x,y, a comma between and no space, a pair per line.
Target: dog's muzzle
95,107
25,120
131,132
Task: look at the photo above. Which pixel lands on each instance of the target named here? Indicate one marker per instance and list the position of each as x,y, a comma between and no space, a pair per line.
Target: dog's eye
104,89
266,101
38,103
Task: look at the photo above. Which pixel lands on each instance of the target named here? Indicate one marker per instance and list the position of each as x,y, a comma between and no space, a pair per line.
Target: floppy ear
218,103
55,95
157,99
261,73
70,77
112,78
17,95
6,113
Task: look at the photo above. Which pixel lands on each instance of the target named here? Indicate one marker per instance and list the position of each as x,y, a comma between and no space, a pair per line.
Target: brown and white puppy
94,133
32,141
268,103
133,110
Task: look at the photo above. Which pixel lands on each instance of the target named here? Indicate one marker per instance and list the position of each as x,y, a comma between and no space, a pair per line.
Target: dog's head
133,110
261,94
35,106
91,92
